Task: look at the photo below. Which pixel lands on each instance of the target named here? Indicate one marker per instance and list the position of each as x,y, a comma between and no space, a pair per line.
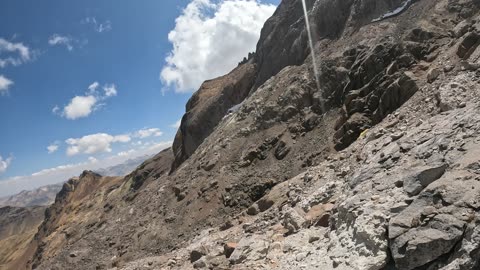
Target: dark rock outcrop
208,106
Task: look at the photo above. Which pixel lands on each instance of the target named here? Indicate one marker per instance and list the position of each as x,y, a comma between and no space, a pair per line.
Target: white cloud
62,173
93,87
210,38
176,125
149,132
125,153
57,39
13,53
137,143
83,105
110,90
94,143
55,109
4,164
52,148
80,106
97,26
5,84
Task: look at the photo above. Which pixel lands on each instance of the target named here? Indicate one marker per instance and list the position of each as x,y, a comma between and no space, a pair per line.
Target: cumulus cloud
80,106
62,173
83,105
52,148
93,87
94,143
57,39
13,53
148,132
210,38
110,90
102,142
5,84
4,164
98,26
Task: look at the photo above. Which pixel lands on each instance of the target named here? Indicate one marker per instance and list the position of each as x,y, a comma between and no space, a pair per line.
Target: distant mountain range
123,168
46,195
41,196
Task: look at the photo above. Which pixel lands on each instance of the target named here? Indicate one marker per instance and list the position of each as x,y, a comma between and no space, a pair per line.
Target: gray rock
199,264
253,210
421,177
292,220
433,74
421,245
282,150
469,43
254,248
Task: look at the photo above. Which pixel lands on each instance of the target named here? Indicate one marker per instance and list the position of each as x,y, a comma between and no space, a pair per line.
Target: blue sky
98,80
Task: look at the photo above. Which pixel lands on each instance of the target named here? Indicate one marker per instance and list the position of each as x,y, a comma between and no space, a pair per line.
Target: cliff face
207,107
283,42
377,169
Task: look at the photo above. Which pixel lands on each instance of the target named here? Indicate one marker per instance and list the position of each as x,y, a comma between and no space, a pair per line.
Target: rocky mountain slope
18,225
377,169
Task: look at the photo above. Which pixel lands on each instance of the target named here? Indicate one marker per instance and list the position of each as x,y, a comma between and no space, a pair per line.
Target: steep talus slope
398,99
94,218
74,213
18,225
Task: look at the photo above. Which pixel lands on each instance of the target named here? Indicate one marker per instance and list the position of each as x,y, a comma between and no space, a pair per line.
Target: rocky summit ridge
379,169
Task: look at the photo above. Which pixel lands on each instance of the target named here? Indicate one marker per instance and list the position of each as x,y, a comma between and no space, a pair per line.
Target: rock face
283,43
208,106
377,169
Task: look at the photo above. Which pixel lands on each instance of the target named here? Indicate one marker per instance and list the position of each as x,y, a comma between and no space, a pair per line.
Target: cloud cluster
110,90
4,163
149,132
57,39
5,84
210,38
80,106
102,142
52,148
98,26
94,143
13,53
83,105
